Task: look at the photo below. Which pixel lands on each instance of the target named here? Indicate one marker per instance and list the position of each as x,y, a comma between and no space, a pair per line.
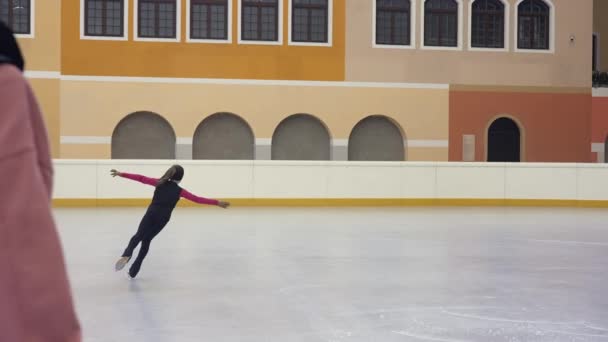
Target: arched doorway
301,137
143,135
223,136
504,141
606,150
376,138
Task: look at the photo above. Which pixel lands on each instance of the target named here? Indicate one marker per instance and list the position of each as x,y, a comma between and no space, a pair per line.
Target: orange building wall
198,60
556,127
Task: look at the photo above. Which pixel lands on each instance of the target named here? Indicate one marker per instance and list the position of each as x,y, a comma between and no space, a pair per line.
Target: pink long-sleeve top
184,193
35,299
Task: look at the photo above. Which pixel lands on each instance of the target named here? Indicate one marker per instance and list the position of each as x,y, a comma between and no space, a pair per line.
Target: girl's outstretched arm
201,200
135,177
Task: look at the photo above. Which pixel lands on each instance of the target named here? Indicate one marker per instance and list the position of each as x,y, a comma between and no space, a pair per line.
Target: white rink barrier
88,182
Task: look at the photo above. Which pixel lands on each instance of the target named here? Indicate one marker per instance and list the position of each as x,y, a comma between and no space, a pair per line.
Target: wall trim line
342,202
227,81
107,140
600,92
521,89
35,74
85,140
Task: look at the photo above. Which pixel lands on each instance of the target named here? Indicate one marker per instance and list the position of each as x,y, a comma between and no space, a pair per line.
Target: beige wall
47,95
568,66
95,108
43,51
600,26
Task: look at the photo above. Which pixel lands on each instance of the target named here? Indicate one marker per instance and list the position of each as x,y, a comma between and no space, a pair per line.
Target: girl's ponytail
167,176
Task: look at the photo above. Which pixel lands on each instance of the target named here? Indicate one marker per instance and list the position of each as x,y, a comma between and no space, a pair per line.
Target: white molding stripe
263,142
229,81
42,74
339,142
101,140
597,147
85,140
225,81
600,92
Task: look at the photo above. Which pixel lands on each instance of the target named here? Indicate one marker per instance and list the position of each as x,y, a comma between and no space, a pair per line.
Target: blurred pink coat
35,299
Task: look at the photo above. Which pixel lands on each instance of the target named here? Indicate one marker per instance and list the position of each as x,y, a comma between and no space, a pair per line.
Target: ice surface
311,275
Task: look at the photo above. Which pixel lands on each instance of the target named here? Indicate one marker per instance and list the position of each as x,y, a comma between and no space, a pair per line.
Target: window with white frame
393,22
533,25
309,21
17,14
260,20
157,19
104,18
209,19
488,24
595,52
441,23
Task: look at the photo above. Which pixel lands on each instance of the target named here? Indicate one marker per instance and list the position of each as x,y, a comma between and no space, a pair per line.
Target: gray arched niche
223,136
376,138
143,135
301,137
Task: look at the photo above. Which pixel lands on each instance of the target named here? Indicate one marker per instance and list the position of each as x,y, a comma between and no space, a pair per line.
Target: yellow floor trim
341,202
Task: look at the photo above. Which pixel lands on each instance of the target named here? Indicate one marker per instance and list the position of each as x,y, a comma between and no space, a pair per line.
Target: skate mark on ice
426,337
506,320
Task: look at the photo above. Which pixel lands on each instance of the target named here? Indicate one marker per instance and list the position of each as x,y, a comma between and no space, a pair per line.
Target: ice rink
373,275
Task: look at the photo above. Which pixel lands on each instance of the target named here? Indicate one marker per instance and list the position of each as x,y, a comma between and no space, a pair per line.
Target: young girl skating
166,196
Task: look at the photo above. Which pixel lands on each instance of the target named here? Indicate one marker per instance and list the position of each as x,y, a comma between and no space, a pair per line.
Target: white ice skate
122,262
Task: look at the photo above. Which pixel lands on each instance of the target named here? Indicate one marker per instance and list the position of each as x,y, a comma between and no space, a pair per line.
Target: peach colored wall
43,51
94,108
427,154
600,26
569,66
47,95
86,151
556,127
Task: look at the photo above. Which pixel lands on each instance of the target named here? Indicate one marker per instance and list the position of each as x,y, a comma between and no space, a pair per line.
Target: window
16,14
533,25
488,24
157,19
441,23
104,18
393,25
209,19
260,20
595,53
309,21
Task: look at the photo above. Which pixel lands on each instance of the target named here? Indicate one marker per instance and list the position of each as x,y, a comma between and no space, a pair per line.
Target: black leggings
151,224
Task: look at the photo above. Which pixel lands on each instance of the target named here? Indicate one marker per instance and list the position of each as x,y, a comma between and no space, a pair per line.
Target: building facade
419,80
